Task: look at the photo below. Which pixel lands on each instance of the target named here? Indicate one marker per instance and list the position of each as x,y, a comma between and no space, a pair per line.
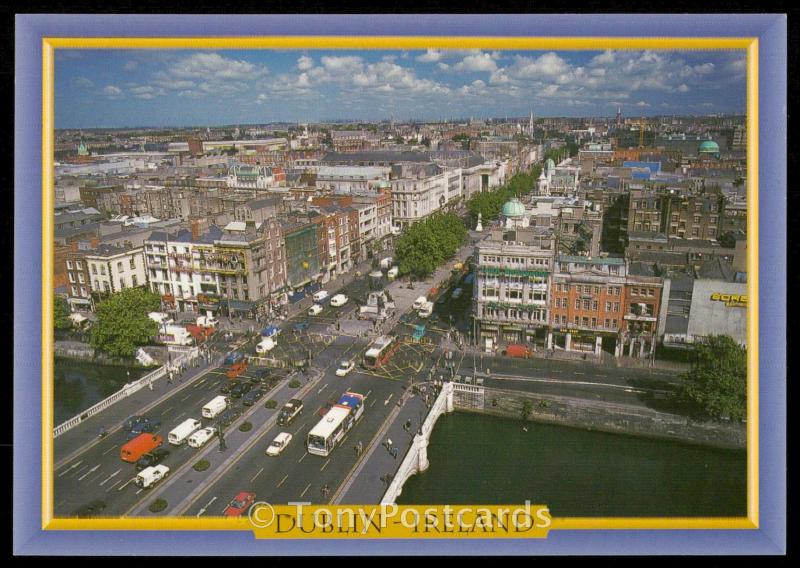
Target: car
151,458
240,390
324,409
227,387
227,417
144,426
266,345
252,397
199,438
338,300
441,300
344,368
237,369
90,509
279,443
241,503
314,310
457,293
234,358
301,326
320,295
132,422
259,376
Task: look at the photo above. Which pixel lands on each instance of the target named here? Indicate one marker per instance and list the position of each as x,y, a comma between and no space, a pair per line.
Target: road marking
167,410
285,477
304,490
343,439
200,383
385,402
323,388
187,396
70,468
181,415
302,458
140,490
95,468
372,403
77,471
110,476
126,483
113,486
369,392
207,505
580,373
109,449
324,465
298,430
252,479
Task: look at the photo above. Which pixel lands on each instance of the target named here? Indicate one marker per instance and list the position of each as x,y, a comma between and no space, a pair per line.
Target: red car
240,504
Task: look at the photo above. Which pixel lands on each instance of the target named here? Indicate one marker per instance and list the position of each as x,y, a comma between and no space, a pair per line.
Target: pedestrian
389,441
150,385
394,453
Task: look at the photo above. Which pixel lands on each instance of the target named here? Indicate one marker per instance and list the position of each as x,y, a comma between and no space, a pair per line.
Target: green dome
709,147
549,164
513,208
383,184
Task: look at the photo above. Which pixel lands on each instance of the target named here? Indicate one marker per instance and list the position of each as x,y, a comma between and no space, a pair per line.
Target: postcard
433,284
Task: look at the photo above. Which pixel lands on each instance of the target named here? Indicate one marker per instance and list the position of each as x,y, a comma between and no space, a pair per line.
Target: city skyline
159,88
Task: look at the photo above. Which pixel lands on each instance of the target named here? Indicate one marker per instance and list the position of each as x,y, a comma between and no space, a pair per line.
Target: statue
479,226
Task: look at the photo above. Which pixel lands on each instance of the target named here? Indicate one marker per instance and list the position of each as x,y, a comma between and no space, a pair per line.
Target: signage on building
730,300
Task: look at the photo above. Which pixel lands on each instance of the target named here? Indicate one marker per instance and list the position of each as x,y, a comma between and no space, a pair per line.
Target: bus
381,351
335,424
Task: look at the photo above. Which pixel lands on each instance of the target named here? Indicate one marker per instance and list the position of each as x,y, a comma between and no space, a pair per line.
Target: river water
489,460
78,385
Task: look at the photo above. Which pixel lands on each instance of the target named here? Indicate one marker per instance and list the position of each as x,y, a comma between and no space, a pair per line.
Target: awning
240,305
269,331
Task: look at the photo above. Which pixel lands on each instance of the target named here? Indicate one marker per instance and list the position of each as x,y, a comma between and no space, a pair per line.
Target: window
608,306
103,269
78,265
74,290
94,269
72,277
577,320
616,306
607,323
586,304
585,322
133,264
594,306
134,281
614,324
69,265
577,304
594,322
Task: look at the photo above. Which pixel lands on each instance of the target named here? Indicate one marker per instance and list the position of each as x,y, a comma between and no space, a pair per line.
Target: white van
338,300
426,310
314,310
199,438
419,303
149,476
267,344
386,263
185,429
392,273
214,407
320,295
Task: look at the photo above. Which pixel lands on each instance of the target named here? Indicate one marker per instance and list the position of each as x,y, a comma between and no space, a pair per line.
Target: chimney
195,223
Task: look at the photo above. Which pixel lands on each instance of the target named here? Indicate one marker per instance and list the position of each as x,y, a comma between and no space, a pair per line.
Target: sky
130,88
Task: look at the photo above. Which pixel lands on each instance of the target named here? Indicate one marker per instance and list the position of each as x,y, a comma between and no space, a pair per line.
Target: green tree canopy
717,380
123,323
429,243
61,318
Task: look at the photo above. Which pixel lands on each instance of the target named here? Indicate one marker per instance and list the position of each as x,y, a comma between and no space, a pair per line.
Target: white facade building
112,269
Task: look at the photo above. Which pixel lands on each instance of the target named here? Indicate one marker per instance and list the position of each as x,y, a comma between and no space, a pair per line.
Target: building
78,281
349,140
259,210
643,290
349,179
115,268
375,219
243,176
418,191
511,296
587,304
306,252
711,301
558,181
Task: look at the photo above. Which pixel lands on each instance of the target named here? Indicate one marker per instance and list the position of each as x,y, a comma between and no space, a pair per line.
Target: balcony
637,317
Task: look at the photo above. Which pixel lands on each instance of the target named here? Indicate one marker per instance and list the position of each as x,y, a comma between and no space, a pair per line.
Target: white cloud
549,64
476,62
703,69
84,82
305,63
683,88
605,58
342,64
642,104
130,66
430,56
112,91
215,68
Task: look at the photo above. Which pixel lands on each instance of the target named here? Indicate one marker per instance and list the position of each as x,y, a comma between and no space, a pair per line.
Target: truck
386,263
266,345
151,475
185,429
172,334
289,411
516,350
140,445
419,302
392,273
426,310
214,407
199,438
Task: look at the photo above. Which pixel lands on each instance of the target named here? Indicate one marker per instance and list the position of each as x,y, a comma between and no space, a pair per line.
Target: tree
61,320
717,380
527,408
427,244
123,323
728,239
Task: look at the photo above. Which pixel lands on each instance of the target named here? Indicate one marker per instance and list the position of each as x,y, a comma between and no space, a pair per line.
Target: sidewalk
366,486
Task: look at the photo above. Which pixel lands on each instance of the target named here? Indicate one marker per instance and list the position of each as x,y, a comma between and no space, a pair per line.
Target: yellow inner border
392,43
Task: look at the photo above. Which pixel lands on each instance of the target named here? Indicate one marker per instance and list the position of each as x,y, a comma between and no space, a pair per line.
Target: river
489,460
78,385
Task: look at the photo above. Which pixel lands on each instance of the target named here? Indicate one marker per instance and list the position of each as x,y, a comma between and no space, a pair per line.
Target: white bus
214,407
185,429
335,424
